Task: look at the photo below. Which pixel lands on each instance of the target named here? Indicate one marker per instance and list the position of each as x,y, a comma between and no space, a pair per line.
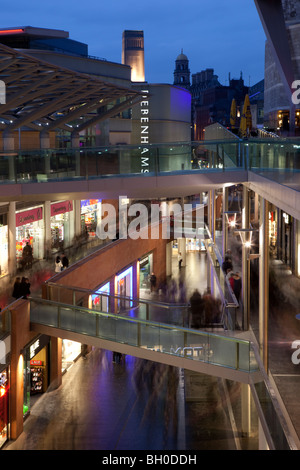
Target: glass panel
227,352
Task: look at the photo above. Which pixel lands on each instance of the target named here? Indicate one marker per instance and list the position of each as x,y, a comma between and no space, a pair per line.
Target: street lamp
246,238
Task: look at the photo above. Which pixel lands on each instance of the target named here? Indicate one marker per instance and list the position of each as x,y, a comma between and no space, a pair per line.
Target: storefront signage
89,202
35,362
33,348
61,207
28,217
144,134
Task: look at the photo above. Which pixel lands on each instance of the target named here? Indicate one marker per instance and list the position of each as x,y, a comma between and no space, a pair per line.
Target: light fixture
246,236
231,218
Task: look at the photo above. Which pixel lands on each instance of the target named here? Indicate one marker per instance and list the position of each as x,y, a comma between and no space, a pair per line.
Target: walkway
284,328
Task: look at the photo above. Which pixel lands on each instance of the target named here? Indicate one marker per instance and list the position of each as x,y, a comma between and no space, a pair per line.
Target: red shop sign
27,217
35,362
61,207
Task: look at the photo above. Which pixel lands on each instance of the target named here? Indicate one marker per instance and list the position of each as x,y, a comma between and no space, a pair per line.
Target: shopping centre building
81,137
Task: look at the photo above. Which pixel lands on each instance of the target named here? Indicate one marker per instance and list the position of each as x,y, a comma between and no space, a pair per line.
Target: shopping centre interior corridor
137,404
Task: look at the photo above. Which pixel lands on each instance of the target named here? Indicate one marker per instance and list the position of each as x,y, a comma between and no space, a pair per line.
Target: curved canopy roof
40,95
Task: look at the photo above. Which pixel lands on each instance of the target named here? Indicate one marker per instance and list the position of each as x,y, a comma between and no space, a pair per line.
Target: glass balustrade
276,159
168,339
89,163
174,314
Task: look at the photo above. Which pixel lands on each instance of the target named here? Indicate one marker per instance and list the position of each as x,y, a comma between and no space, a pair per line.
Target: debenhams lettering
144,133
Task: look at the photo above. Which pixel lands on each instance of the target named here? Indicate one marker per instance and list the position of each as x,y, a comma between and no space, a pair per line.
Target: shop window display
3,407
30,230
62,225
90,215
4,250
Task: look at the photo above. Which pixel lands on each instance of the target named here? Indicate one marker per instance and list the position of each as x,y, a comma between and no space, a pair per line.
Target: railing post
58,317
138,339
97,325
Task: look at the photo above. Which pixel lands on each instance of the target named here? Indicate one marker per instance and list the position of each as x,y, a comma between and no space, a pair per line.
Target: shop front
101,302
195,245
273,224
4,245
146,268
71,350
62,225
36,371
124,288
4,397
30,230
90,215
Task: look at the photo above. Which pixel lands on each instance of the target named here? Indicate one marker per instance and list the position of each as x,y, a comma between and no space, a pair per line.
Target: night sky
224,35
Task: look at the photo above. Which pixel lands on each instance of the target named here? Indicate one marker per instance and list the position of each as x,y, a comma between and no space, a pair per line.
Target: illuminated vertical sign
144,133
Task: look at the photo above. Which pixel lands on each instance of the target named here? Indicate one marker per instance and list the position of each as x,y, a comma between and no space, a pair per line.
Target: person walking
152,282
58,264
179,260
65,261
237,286
25,287
27,256
196,305
227,265
17,288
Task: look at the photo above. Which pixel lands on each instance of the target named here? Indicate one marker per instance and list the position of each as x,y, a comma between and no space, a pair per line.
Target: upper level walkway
269,167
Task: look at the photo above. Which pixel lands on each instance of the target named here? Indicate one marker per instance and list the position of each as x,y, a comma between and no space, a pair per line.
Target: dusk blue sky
224,35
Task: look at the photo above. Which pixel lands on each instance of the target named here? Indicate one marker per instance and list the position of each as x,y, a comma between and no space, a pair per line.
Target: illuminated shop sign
144,133
33,348
28,217
89,202
61,207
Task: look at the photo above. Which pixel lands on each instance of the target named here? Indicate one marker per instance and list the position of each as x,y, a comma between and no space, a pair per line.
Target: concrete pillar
136,280
20,336
169,259
245,261
224,222
45,144
246,409
12,267
75,143
263,280
44,140
47,222
77,217
9,146
55,363
211,212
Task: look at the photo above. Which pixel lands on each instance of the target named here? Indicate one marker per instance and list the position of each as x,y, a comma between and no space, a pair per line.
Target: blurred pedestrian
179,260
196,304
152,282
58,264
27,256
65,261
227,265
25,287
17,288
237,286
